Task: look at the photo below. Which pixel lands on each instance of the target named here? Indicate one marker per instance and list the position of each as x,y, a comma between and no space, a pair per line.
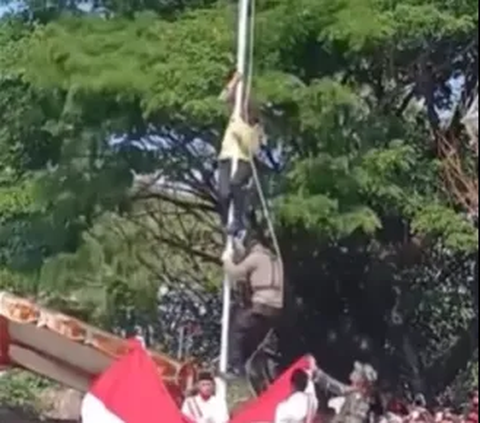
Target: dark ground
8,415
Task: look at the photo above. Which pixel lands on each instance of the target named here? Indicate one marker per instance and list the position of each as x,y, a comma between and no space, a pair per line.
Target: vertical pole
241,66
181,337
241,52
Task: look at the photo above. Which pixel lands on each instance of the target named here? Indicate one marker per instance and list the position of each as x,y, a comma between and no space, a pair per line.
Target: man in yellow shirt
241,142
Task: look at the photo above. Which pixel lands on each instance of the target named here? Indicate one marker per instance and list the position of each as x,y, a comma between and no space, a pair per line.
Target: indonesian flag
130,391
262,409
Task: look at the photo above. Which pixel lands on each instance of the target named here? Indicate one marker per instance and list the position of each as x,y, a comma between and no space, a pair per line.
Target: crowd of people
419,413
206,406
357,402
131,391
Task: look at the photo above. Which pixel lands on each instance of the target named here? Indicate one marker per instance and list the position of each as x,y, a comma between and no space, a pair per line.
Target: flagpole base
221,387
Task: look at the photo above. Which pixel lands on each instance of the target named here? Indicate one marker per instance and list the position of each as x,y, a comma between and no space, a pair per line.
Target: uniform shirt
264,274
336,404
355,409
241,140
212,410
300,407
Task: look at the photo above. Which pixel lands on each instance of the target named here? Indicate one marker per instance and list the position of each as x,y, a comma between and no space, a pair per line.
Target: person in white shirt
207,406
311,373
302,405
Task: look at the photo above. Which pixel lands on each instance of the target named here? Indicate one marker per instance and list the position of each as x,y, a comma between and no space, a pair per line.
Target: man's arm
330,384
281,413
242,269
186,410
221,411
293,409
228,93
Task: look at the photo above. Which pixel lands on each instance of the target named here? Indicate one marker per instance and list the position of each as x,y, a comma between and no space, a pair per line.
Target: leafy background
110,124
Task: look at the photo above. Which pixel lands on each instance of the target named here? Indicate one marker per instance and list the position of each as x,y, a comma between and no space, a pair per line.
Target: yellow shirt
241,140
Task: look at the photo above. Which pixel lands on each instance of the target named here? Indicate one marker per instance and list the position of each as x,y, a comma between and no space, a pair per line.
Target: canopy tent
69,351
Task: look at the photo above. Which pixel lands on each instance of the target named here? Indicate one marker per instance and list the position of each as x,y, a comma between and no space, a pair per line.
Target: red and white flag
263,409
130,391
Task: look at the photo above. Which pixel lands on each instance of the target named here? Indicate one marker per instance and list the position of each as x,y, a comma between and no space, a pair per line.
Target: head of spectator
206,385
474,397
363,377
299,380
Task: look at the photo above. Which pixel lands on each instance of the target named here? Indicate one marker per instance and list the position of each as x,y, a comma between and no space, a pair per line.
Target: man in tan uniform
241,142
262,272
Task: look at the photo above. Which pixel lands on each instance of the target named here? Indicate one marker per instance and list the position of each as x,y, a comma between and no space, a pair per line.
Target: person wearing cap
242,141
257,267
356,406
301,406
206,406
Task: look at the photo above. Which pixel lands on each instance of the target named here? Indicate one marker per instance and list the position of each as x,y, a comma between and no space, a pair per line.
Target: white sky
12,4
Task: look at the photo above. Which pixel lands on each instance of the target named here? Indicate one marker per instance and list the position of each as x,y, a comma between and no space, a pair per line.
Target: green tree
354,92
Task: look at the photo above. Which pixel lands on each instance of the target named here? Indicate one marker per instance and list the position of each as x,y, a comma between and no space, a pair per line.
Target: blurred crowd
417,412
367,404
356,402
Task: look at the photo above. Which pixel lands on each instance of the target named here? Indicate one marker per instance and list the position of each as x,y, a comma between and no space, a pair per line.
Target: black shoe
235,228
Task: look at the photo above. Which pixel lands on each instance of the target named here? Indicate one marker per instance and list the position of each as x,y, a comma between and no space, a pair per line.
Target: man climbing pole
262,272
241,142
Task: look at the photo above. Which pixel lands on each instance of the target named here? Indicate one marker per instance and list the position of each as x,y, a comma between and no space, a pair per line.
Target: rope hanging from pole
258,185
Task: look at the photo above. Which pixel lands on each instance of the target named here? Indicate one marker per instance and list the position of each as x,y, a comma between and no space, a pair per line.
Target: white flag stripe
130,391
94,411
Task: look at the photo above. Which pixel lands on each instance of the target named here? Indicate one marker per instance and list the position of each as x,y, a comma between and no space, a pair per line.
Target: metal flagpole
241,66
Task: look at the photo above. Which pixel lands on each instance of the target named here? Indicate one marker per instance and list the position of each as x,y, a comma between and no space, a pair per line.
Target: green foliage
351,91
466,383
21,389
15,199
441,222
121,264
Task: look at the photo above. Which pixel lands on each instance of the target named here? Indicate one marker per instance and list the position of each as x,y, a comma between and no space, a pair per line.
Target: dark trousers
233,189
249,329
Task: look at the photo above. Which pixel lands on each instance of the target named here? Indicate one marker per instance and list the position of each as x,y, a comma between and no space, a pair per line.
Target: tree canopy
357,96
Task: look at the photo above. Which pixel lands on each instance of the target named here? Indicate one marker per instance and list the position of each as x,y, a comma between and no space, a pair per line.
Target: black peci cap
205,376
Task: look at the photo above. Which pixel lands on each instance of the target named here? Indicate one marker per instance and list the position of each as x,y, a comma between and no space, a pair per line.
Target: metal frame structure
71,352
